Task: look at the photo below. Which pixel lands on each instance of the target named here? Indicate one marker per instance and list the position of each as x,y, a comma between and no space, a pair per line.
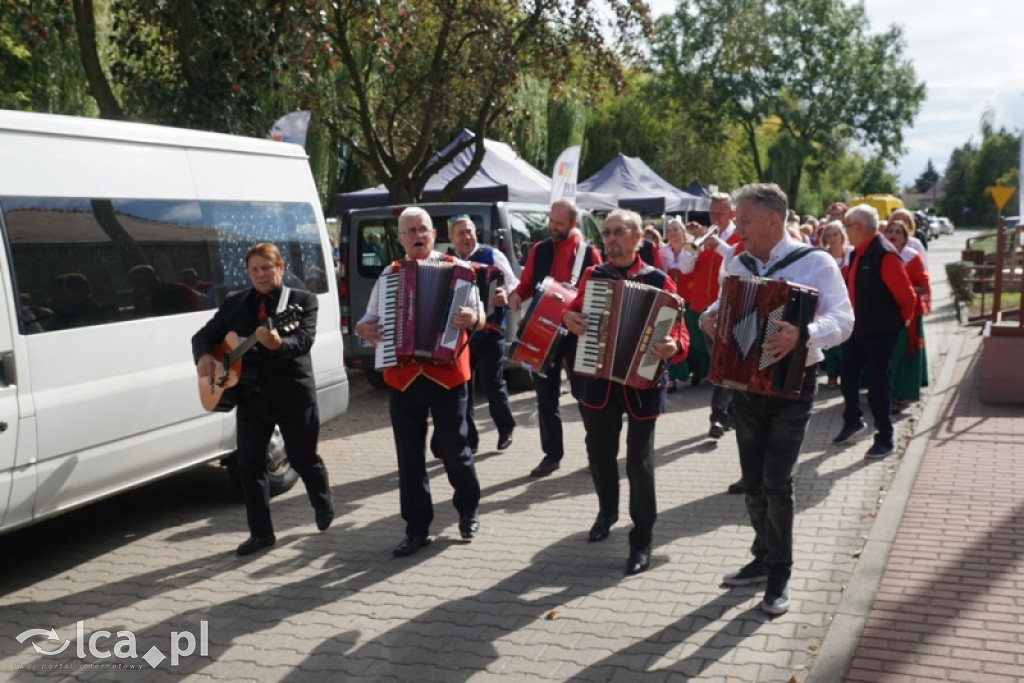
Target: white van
119,241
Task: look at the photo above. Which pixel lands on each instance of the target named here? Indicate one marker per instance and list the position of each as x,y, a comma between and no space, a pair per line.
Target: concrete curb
837,650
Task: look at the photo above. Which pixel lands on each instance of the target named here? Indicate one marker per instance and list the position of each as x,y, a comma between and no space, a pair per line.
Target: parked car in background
369,242
945,225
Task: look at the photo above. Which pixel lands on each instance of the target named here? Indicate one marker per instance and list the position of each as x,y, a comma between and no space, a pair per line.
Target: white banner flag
291,128
563,177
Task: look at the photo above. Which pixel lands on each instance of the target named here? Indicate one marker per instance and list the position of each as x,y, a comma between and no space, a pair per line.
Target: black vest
544,258
875,310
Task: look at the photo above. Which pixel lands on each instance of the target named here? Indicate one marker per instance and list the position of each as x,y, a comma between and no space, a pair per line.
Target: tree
39,66
876,179
809,65
927,179
396,81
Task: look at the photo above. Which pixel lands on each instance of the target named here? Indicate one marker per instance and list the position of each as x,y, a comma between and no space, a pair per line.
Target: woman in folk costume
909,365
671,257
833,240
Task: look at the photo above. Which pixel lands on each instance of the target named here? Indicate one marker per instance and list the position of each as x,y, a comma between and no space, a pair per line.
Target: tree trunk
99,87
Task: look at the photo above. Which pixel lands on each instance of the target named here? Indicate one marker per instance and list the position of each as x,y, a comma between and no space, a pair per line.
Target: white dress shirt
833,320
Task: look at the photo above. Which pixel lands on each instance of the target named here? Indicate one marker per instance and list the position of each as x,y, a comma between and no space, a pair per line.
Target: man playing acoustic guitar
282,390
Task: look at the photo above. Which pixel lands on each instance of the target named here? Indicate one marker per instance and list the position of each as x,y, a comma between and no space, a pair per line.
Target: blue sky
970,55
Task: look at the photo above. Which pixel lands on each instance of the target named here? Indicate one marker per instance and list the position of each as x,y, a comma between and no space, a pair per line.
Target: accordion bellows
624,320
416,303
750,309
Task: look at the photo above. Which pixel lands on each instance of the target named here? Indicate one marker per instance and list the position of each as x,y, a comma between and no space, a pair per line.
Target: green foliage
809,65
213,65
927,179
39,65
397,80
973,168
876,179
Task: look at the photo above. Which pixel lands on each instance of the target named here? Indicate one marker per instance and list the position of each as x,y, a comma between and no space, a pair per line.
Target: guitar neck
249,342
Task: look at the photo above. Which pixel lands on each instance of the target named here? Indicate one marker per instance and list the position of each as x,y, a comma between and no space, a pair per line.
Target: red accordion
624,320
749,310
416,303
540,334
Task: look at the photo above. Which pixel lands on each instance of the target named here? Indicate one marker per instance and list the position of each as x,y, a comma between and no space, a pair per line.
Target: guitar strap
282,303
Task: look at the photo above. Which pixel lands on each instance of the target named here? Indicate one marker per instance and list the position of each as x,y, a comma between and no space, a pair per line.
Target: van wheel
518,379
374,378
279,472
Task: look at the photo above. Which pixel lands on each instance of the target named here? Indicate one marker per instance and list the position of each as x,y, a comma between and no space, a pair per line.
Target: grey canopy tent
503,176
641,189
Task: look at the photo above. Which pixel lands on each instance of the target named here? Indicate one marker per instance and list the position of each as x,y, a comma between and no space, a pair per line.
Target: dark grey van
369,242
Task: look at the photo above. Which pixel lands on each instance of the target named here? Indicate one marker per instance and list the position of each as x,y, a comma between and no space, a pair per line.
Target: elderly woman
909,365
672,255
913,242
833,240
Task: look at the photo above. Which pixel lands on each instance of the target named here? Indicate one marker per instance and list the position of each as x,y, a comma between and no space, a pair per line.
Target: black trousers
300,428
769,434
870,355
604,427
449,443
548,390
487,357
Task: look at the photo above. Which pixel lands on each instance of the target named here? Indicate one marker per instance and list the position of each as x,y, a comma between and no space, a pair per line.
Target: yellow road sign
1000,195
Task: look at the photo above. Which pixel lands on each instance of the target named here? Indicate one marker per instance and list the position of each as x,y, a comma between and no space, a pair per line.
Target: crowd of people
872,289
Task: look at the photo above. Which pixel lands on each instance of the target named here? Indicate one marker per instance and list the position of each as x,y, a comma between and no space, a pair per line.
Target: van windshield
377,238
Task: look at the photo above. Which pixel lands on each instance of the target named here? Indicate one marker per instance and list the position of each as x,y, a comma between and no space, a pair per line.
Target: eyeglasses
617,232
419,230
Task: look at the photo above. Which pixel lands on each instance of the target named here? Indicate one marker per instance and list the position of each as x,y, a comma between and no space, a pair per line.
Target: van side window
377,245
82,262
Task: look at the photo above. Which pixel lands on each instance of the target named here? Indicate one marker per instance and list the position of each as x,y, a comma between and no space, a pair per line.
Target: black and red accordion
624,320
750,308
540,335
415,304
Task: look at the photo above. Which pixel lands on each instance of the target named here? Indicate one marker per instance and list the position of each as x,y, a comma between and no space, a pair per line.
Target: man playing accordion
770,429
418,387
603,402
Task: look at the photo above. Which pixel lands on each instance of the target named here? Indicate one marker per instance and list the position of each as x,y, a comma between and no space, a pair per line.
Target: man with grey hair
486,347
770,429
416,389
603,403
883,303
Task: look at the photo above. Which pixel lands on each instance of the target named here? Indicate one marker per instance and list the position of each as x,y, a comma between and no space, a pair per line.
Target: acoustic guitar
220,394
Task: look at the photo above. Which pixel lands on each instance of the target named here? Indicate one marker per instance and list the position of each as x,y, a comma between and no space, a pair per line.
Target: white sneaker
776,602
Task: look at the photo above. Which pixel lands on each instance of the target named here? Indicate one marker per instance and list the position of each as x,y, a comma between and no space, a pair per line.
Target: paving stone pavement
528,599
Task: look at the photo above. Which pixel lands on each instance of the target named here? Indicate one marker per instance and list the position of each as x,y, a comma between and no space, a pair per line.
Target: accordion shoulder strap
792,257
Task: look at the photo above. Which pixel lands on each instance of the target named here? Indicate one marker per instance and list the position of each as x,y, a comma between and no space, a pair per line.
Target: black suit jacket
283,377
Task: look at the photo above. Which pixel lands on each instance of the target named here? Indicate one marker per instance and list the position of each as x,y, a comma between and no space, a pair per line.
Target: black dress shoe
546,467
256,543
504,441
411,544
717,430
468,526
639,561
602,527
324,518
736,487
849,430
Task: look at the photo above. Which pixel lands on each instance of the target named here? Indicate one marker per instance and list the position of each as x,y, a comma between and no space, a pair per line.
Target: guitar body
222,393
239,370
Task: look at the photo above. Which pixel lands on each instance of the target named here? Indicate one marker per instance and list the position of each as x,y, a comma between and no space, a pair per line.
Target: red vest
448,376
